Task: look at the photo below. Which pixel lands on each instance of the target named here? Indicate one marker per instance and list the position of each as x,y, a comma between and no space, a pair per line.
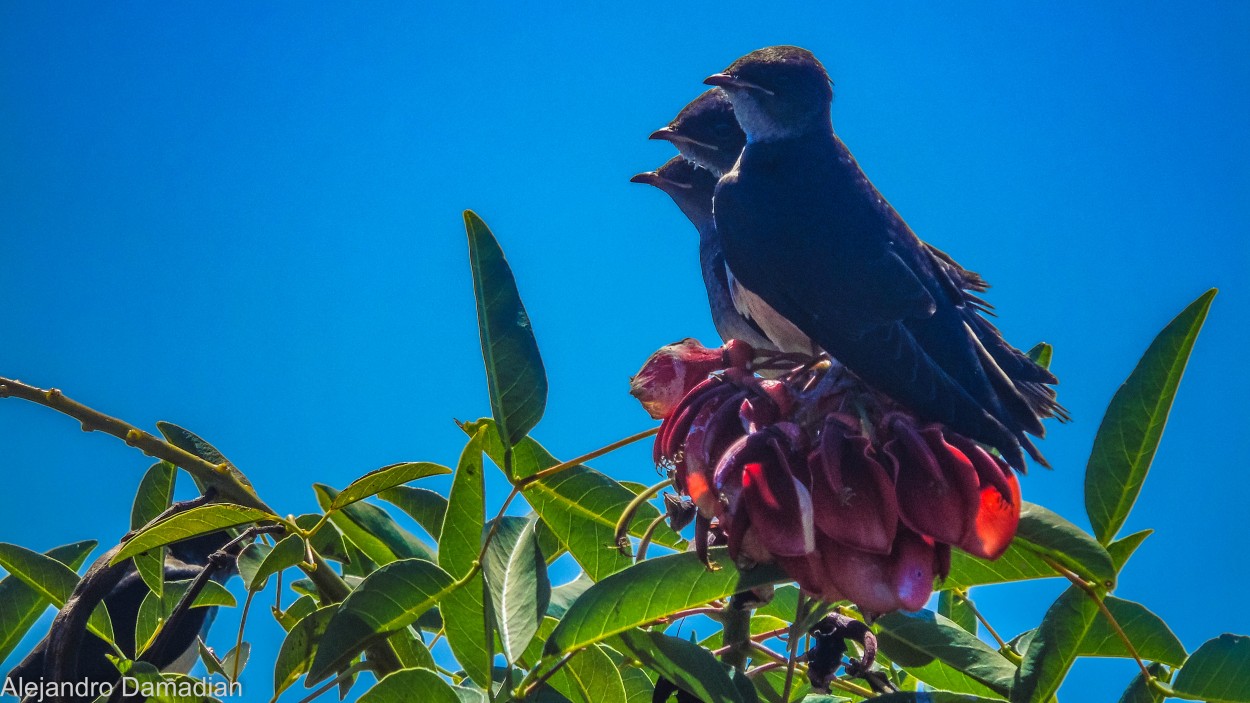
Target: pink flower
677,368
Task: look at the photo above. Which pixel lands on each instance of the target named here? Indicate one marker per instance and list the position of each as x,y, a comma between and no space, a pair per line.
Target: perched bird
691,187
707,133
125,591
807,234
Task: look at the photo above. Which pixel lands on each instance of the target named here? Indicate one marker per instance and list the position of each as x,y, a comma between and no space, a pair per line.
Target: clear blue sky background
245,218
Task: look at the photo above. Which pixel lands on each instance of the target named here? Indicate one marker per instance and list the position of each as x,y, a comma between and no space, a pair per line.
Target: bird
125,593
805,232
691,188
706,133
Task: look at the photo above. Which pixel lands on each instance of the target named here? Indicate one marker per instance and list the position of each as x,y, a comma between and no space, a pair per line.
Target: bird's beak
650,178
724,80
669,135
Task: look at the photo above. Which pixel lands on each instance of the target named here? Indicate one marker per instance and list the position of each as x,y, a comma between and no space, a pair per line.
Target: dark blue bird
691,188
124,593
805,232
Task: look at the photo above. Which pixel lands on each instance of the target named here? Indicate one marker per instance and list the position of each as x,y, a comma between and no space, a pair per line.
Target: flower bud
672,372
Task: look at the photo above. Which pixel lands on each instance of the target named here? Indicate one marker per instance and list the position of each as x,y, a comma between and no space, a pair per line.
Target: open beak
724,80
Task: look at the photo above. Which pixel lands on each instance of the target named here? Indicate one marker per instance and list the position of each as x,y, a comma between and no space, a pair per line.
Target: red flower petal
936,485
852,495
913,560
998,513
867,580
670,374
779,506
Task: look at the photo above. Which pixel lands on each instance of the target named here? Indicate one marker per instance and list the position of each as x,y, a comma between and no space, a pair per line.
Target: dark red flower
936,483
852,495
676,368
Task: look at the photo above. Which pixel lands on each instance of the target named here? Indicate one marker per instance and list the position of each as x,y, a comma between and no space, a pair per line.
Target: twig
621,534
350,671
645,540
542,679
1093,593
1002,644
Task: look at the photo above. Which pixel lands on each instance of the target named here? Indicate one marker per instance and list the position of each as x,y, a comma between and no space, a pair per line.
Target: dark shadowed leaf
155,609
1140,690
1047,533
191,523
300,609
423,505
388,599
232,484
932,697
516,577
297,650
590,677
1151,637
580,505
21,605
562,596
689,666
650,590
1219,672
1133,425
52,580
1054,647
953,606
156,492
514,369
386,477
288,552
940,638
411,649
409,685
373,531
467,616
328,541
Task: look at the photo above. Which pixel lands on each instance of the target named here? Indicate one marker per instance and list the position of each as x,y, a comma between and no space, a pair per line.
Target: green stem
1093,593
736,623
627,515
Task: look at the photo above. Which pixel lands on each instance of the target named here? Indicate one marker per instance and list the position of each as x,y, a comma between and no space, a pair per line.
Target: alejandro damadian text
39,690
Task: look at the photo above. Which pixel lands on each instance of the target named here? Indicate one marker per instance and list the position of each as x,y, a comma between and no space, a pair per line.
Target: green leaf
423,505
943,677
372,530
1219,672
155,494
151,568
772,683
155,609
1121,549
298,648
53,581
21,605
328,541
784,603
286,553
467,618
411,649
1046,533
579,504
1054,647
233,479
650,590
1041,354
689,666
514,368
932,697
386,477
937,637
1140,690
1133,425
955,607
517,579
403,686
562,596
1149,634
300,609
1018,563
638,688
590,677
235,661
191,523
388,599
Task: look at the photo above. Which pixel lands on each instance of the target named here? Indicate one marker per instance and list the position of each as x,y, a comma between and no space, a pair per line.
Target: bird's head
777,92
690,186
706,132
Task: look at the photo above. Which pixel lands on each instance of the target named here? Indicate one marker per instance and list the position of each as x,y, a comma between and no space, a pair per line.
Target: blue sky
245,219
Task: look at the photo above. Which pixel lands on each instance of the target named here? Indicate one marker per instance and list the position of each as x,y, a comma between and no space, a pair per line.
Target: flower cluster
850,494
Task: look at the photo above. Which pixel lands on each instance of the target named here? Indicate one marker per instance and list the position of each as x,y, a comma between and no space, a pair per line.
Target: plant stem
1093,593
627,515
1002,644
350,671
645,540
523,690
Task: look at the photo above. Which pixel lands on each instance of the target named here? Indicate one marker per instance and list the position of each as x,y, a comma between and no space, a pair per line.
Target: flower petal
935,483
780,508
913,561
852,495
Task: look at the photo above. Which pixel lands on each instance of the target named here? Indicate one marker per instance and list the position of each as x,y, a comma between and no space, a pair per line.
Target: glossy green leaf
21,605
651,590
411,649
423,505
402,687
233,485
288,552
467,616
772,683
942,639
1041,354
52,580
155,494
590,677
932,697
562,596
1133,424
1054,647
1047,533
386,477
328,541
940,676
516,576
1151,637
299,647
151,568
1219,672
388,599
155,609
1123,548
1140,690
373,531
192,523
580,505
300,609
514,369
1018,563
235,661
955,607
689,666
